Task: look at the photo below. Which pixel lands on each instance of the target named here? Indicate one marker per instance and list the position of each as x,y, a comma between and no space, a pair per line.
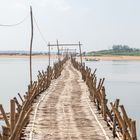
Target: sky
97,24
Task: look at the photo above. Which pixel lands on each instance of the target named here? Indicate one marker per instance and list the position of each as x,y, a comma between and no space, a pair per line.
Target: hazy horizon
98,24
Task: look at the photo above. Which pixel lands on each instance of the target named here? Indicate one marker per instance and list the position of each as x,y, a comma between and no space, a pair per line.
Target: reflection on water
123,82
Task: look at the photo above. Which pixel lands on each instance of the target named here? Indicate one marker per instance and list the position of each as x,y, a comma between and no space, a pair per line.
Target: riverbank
113,57
84,57
27,56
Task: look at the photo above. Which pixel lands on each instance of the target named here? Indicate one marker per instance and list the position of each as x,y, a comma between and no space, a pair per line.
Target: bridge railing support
115,115
20,112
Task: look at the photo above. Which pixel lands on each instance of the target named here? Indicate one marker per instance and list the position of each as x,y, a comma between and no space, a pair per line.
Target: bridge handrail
19,112
115,116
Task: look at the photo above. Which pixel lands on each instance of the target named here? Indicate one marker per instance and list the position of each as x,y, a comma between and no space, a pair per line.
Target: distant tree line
123,48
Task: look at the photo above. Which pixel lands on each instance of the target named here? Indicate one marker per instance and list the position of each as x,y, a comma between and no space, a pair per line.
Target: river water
14,76
122,81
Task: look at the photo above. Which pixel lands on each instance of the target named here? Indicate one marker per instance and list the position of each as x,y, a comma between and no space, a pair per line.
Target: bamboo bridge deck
64,112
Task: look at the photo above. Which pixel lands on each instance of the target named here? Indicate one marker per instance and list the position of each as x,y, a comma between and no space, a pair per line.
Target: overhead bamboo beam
65,45
78,44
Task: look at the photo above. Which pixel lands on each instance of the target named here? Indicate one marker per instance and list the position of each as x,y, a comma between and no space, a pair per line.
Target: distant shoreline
84,57
27,56
113,57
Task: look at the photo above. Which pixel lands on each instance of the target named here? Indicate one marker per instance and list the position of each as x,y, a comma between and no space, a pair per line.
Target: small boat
92,59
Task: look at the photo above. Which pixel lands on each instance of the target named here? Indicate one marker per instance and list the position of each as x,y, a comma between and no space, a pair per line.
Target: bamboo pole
99,84
20,97
49,53
18,104
80,52
94,71
31,44
1,136
102,82
58,50
104,103
114,118
20,126
13,115
122,123
126,119
133,130
6,132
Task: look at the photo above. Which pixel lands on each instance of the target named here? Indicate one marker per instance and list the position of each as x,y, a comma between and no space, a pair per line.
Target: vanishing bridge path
64,112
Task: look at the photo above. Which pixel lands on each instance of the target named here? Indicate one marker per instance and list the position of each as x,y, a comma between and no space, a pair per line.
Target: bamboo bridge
67,103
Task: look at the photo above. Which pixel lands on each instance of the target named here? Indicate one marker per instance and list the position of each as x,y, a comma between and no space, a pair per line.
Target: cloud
10,10
61,5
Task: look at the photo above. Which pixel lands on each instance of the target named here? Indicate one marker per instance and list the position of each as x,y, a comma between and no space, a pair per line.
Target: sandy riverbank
89,57
114,57
27,56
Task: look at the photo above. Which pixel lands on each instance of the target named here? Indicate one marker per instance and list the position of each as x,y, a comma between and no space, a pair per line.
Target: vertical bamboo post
121,123
102,82
133,130
124,132
31,44
68,52
0,136
18,104
6,133
75,53
58,50
20,97
114,118
104,103
49,53
80,52
99,84
13,115
4,115
126,119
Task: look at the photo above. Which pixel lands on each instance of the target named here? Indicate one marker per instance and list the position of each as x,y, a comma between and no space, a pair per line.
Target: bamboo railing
115,116
19,112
